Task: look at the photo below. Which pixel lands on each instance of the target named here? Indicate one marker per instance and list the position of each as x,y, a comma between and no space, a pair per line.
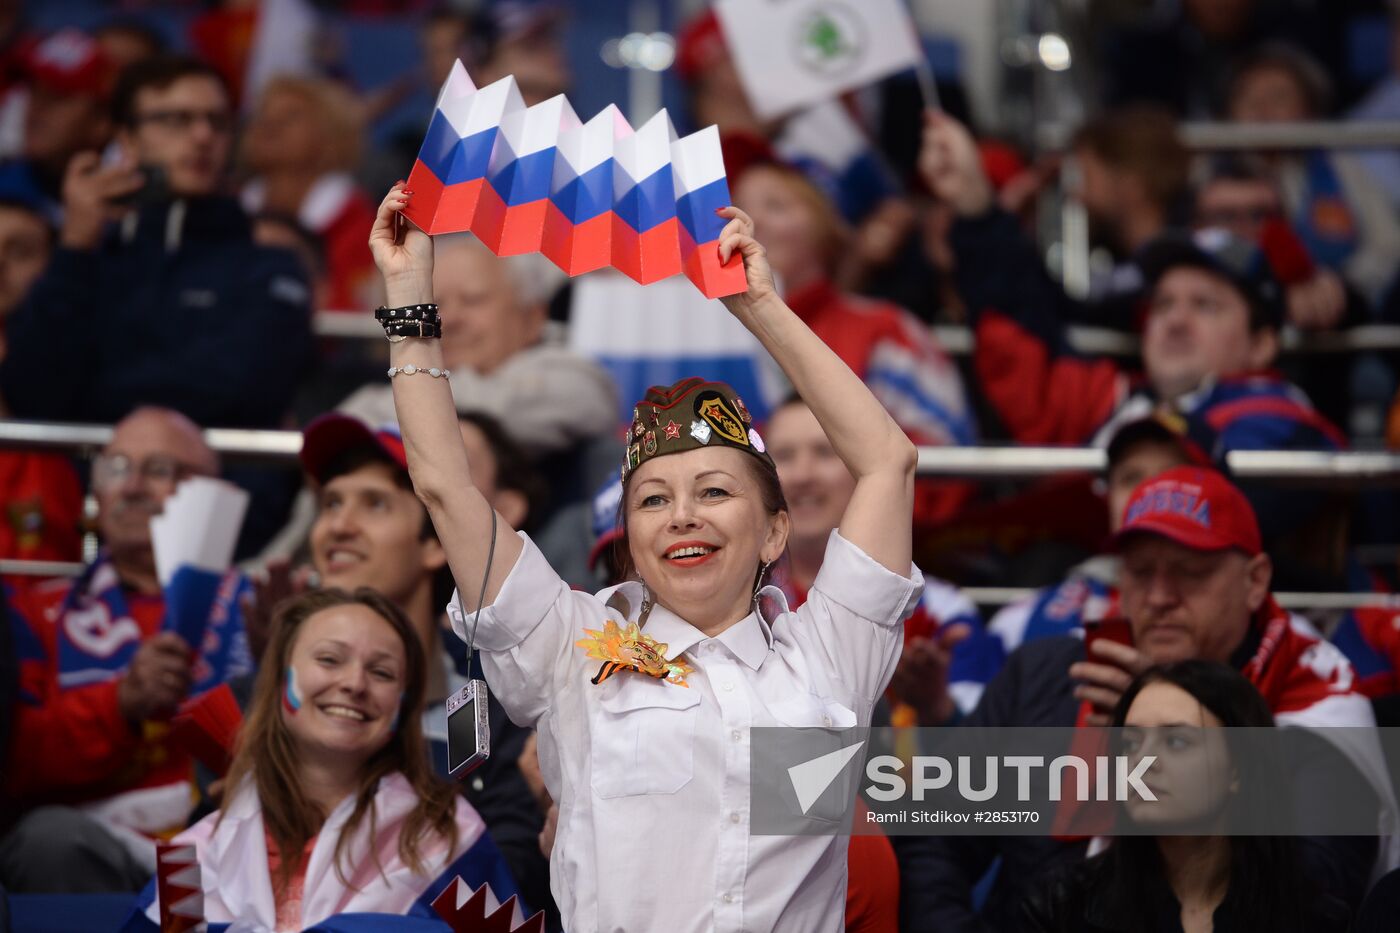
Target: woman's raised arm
437,458
879,517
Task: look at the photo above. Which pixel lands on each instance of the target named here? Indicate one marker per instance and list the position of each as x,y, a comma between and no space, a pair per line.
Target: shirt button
734,817
826,720
728,687
736,735
728,898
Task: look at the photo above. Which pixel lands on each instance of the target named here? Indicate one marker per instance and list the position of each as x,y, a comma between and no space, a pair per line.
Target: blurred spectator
1344,218
43,498
285,231
505,357
716,94
443,40
100,673
300,148
322,817
157,294
520,38
1133,181
126,42
948,656
371,531
1210,338
70,79
1215,879
1382,105
1135,176
1195,585
1137,451
1180,55
886,346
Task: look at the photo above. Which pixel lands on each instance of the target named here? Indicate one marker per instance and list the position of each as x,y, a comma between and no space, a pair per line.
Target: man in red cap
1195,584
69,80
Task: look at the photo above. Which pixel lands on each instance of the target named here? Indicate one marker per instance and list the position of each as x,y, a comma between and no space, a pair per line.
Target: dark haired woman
1190,876
643,696
333,806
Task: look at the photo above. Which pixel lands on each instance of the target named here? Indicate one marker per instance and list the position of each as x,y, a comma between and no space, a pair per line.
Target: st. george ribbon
587,195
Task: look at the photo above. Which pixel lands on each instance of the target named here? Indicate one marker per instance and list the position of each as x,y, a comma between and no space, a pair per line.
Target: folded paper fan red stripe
587,195
206,727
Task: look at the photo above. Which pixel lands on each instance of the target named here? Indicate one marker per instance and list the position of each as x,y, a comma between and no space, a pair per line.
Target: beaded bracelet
423,312
411,370
432,329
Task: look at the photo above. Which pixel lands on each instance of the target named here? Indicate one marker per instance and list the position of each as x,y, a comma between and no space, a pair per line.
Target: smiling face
698,530
1191,776
786,219
485,321
815,481
345,680
1189,604
1198,327
369,532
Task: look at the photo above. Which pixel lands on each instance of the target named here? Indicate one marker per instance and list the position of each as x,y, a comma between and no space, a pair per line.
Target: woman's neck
1198,869
327,783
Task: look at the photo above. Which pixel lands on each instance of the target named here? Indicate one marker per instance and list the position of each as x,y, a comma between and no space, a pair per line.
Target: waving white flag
791,53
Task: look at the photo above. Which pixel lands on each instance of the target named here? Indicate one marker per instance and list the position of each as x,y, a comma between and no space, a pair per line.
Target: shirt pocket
643,739
810,711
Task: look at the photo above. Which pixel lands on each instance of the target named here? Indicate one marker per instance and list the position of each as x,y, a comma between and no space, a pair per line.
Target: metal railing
1334,469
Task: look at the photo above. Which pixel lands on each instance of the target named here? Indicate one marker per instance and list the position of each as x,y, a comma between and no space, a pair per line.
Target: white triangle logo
811,778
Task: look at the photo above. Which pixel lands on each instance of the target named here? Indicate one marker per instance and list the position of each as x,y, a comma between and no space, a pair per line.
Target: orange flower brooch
629,650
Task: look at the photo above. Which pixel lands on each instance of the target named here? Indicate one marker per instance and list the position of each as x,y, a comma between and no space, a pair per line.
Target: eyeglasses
182,121
109,470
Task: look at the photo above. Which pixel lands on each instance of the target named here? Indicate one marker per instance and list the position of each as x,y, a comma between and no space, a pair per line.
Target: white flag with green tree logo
793,53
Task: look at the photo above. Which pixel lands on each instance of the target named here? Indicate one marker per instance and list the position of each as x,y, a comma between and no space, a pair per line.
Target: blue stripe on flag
697,211
587,196
525,179
647,204
472,159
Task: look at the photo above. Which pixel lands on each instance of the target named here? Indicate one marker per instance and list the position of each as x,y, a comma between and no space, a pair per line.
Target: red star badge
673,431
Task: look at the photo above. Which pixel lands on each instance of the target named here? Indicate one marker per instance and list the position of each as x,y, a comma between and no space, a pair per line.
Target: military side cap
689,415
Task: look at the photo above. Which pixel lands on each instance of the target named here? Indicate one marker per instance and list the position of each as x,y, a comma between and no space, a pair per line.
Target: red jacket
43,507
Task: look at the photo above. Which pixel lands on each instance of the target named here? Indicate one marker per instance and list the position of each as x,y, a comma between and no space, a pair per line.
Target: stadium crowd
170,230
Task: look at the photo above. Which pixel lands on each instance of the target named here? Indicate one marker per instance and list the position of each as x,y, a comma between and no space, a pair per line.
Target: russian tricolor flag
587,195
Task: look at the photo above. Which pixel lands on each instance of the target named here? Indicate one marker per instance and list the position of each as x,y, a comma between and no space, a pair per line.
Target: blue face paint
291,696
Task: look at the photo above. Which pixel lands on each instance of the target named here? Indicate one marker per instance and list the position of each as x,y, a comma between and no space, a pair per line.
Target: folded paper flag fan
587,195
468,911
206,727
178,888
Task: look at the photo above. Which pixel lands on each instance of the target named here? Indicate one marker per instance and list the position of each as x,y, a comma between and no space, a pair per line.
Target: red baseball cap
331,435
1195,507
70,62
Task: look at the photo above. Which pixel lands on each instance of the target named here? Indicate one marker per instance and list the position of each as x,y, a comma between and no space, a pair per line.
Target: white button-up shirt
652,778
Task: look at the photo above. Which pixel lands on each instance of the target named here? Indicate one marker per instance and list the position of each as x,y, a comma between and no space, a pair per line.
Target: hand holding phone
92,195
1112,663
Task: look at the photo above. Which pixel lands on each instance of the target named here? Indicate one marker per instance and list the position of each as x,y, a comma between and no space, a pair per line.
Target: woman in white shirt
644,735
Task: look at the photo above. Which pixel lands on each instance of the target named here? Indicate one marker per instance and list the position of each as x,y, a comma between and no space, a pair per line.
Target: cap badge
713,409
700,431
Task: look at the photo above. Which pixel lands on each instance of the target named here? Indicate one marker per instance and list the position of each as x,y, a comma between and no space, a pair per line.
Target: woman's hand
737,237
403,253
952,167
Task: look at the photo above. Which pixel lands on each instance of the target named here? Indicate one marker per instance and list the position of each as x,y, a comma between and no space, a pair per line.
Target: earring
758,584
647,603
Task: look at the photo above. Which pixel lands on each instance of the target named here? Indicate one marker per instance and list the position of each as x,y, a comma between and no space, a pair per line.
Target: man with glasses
157,293
92,769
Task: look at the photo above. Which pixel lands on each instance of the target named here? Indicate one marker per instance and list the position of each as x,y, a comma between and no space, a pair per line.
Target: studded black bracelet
423,312
431,329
